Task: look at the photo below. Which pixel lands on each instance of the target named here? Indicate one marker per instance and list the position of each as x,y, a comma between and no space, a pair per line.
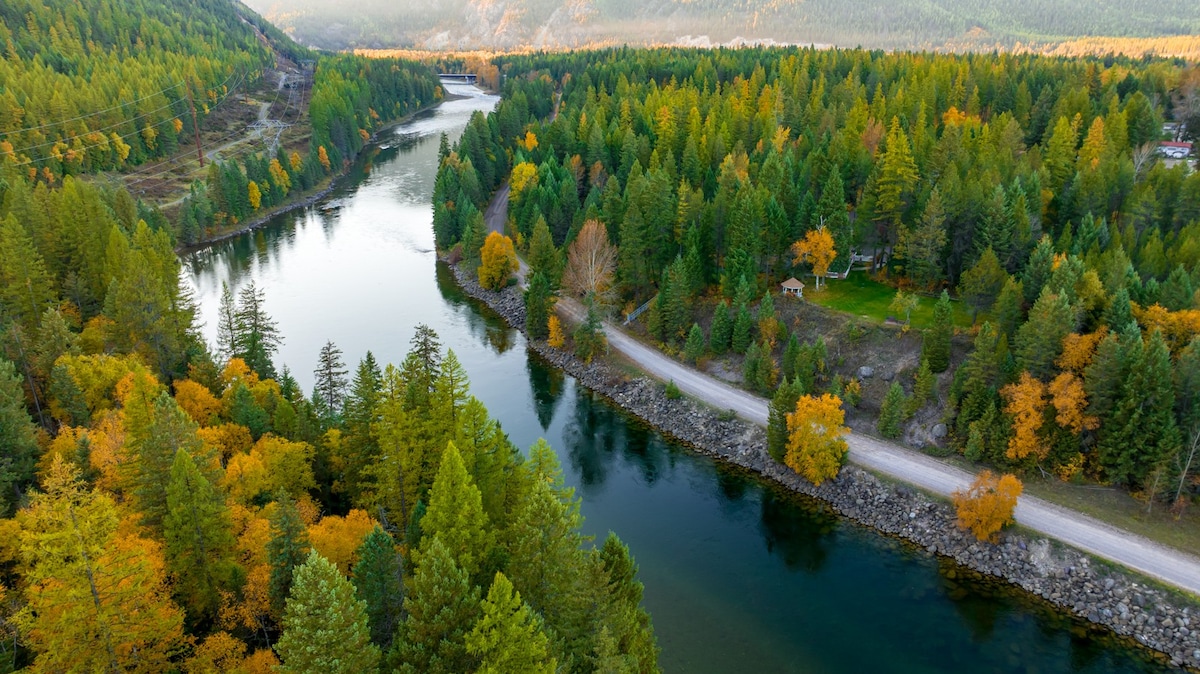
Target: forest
1023,189
166,507
352,97
513,24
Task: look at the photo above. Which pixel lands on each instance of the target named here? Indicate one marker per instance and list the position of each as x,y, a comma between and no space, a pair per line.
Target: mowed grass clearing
862,297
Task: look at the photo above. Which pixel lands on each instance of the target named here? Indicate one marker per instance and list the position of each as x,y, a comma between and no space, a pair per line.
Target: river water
740,576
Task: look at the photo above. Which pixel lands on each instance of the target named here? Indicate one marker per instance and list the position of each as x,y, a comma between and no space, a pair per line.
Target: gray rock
866,372
939,431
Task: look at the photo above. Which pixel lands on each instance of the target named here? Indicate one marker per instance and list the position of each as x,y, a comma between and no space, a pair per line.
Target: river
740,576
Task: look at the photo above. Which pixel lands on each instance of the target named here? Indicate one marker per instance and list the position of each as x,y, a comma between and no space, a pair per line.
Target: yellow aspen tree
818,249
323,157
1025,401
338,538
987,505
499,261
254,195
816,449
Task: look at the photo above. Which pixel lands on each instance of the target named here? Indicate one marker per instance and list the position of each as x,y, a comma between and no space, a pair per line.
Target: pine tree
782,404
935,346
743,326
1040,339
508,636
257,335
442,607
1038,270
1008,310
924,384
330,379
896,181
199,538
539,302
154,447
921,247
324,626
1144,435
630,623
981,284
693,349
286,550
722,329
18,439
455,516
378,584
26,287
891,414
543,256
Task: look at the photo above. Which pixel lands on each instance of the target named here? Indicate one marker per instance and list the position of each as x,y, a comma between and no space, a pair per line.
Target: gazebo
793,287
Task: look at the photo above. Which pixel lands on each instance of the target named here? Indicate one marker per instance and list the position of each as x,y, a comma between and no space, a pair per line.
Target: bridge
458,77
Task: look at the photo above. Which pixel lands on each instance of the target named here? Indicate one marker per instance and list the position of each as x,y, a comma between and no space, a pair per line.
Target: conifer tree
782,404
693,349
257,336
722,329
26,287
330,379
539,302
378,583
543,256
1040,339
891,414
743,326
442,607
981,284
630,623
508,636
935,346
199,537
227,331
286,550
169,430
923,387
1143,434
324,626
18,440
1008,310
455,515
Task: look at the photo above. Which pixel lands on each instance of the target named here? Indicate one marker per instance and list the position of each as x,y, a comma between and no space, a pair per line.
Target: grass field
860,296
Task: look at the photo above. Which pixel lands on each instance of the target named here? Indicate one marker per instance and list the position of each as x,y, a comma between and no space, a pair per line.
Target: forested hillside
907,24
104,84
1026,187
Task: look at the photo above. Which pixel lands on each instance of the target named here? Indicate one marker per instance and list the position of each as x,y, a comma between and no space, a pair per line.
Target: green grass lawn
862,297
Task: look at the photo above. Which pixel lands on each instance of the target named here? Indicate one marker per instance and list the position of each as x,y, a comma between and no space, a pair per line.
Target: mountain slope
573,23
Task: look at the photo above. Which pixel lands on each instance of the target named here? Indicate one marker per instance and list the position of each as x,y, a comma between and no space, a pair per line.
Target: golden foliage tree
554,327
97,599
338,538
1025,401
816,448
1070,403
199,403
323,157
254,195
987,505
499,261
524,176
818,249
1078,350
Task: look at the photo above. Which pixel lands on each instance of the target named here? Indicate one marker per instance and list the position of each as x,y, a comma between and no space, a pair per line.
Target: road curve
1138,553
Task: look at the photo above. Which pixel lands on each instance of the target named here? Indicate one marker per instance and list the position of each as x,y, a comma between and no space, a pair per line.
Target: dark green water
740,576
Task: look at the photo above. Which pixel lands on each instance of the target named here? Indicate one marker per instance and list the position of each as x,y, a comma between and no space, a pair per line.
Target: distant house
1174,149
793,287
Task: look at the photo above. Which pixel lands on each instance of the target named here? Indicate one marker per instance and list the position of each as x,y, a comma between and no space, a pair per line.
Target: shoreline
311,197
1103,595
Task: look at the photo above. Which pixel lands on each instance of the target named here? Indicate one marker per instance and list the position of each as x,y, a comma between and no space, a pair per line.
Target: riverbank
314,195
1067,578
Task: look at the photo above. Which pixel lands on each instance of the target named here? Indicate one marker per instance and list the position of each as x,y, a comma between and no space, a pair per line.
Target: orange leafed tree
1070,403
499,261
1078,350
1025,401
323,157
338,538
816,449
591,262
987,505
816,248
199,403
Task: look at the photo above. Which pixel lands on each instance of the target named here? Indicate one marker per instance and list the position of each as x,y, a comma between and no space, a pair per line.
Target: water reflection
798,531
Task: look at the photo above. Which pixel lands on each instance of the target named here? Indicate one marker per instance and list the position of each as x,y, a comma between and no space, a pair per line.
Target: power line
92,114
122,137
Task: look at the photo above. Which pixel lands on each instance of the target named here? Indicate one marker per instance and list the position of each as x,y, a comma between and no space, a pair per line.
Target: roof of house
792,284
1171,143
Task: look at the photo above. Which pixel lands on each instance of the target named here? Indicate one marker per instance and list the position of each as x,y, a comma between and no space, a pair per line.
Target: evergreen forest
1023,190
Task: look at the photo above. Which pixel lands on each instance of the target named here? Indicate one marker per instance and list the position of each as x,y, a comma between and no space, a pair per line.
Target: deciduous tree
498,261
816,449
817,249
1025,402
987,505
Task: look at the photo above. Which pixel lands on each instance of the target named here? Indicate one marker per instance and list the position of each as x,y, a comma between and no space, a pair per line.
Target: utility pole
195,127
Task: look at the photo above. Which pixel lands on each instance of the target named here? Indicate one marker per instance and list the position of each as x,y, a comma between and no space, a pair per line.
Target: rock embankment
1062,576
